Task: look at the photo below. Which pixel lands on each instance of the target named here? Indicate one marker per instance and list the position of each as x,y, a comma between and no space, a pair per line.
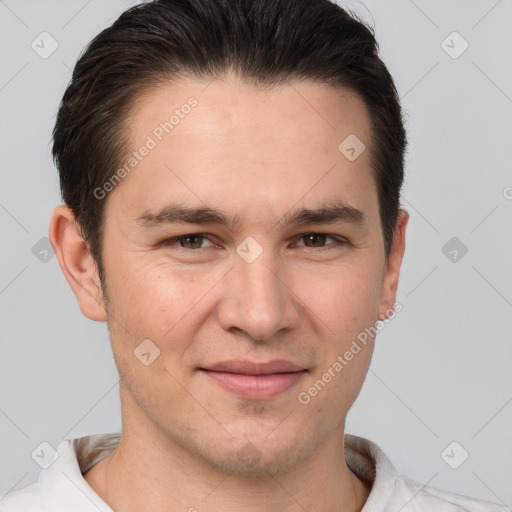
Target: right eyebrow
176,213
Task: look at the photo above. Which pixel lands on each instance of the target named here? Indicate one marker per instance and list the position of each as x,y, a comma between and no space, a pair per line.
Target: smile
255,387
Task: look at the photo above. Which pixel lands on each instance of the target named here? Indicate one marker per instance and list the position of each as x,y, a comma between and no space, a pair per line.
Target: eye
186,242
320,238
194,242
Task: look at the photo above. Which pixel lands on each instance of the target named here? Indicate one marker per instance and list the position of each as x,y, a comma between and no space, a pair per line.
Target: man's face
257,157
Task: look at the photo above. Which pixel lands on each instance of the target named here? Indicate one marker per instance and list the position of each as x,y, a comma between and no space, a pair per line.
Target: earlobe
77,263
392,271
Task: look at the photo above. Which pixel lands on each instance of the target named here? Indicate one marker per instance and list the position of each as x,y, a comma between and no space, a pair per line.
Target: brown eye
186,242
315,239
191,241
318,241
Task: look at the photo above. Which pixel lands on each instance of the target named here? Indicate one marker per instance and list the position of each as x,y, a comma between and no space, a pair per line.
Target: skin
258,155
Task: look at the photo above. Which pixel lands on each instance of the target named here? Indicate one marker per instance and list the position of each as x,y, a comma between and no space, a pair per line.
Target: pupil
314,236
192,237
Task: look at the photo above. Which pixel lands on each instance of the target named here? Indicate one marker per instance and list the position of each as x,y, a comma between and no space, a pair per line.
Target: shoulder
61,485
27,498
392,491
417,497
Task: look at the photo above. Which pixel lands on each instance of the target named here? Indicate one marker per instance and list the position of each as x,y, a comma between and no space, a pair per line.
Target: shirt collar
64,487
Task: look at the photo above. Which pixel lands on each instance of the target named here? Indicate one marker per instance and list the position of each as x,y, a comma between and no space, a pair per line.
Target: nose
258,299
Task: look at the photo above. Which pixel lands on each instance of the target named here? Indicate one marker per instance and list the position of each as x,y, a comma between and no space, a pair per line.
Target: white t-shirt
62,488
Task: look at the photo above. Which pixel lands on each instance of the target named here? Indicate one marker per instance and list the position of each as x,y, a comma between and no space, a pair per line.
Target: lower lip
256,387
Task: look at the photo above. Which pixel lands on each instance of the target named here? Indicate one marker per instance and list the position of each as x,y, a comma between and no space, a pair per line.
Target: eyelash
170,242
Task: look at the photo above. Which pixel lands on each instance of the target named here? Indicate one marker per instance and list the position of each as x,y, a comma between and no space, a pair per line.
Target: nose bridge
260,302
256,264
262,283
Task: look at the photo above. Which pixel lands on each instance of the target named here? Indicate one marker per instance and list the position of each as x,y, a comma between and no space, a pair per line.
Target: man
231,172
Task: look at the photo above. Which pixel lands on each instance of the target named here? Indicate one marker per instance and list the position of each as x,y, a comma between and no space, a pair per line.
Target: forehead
223,107
226,142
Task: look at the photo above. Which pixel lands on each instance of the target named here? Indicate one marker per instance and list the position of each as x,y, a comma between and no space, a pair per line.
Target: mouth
255,381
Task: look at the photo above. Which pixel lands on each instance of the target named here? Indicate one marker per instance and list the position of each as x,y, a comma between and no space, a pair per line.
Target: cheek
152,299
345,298
344,304
150,302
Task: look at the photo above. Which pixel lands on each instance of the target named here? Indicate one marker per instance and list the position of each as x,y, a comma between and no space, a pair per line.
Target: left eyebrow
334,212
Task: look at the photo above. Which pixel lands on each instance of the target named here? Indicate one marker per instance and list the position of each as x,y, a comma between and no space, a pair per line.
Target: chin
258,457
250,461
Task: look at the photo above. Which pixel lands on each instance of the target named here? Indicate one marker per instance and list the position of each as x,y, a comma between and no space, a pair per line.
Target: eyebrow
331,213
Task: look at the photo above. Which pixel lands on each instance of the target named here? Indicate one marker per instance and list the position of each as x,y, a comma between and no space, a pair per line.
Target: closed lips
255,368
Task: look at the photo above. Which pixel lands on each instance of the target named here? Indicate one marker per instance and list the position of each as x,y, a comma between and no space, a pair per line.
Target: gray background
441,369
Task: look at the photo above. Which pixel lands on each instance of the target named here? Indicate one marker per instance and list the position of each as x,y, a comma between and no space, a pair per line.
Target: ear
392,270
77,263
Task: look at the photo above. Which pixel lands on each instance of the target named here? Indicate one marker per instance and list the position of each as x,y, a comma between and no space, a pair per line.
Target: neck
139,475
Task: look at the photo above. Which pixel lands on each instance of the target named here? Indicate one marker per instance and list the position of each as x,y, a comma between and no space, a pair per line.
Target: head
280,126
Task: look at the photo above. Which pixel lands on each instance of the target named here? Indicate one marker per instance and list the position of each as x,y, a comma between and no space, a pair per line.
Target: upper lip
255,368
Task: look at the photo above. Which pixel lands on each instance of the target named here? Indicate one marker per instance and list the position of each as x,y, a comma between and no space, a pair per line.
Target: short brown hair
265,42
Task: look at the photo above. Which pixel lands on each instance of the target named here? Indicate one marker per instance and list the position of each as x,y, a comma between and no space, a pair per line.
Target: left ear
392,272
